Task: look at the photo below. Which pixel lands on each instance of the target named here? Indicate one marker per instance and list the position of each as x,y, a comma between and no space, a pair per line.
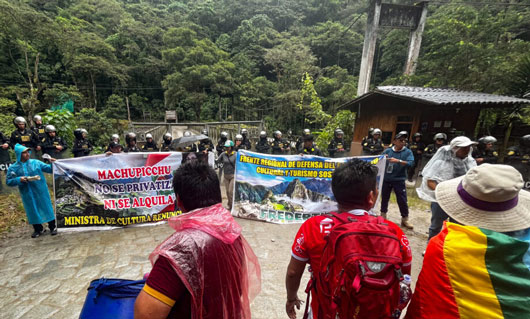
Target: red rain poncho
214,261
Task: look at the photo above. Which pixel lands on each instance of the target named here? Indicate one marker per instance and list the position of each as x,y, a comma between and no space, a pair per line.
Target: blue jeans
401,195
437,219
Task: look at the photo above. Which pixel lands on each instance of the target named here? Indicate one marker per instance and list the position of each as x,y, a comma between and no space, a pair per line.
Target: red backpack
360,270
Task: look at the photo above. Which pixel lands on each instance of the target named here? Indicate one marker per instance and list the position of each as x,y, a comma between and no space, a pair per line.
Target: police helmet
263,134
417,134
370,131
229,143
187,133
78,133
487,140
49,129
204,132
224,135
309,138
307,131
338,132
37,118
148,135
402,134
167,137
440,136
19,119
244,131
239,137
376,131
277,134
84,131
525,141
130,137
115,137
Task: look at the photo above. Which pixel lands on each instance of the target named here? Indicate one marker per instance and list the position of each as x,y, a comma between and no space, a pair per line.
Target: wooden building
416,109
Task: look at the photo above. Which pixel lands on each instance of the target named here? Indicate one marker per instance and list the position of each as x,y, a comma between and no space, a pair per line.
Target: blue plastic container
111,298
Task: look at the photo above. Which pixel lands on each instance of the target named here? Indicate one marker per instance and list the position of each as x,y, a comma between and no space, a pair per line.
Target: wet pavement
47,277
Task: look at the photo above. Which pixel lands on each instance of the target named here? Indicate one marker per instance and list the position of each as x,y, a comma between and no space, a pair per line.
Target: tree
310,103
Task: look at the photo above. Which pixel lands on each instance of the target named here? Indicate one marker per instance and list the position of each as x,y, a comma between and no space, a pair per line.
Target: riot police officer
150,145
484,152
309,147
24,136
189,148
300,140
519,157
365,139
417,147
53,145
115,138
5,159
206,144
82,146
439,141
239,143
221,143
246,142
337,147
280,145
263,146
38,128
130,141
374,145
165,146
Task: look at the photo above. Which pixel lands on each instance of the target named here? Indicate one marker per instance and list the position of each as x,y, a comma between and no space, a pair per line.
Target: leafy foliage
64,123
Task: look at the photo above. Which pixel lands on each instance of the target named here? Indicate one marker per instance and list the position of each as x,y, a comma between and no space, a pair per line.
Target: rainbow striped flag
469,272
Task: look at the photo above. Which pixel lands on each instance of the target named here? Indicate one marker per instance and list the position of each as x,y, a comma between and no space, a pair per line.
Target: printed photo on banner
288,189
118,190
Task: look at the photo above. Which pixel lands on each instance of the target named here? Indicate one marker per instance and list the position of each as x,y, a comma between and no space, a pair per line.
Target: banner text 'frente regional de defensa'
288,189
118,190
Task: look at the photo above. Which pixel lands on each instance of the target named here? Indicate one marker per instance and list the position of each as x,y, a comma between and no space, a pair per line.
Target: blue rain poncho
35,194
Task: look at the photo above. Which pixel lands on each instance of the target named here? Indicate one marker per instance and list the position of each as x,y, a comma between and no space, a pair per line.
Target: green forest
289,62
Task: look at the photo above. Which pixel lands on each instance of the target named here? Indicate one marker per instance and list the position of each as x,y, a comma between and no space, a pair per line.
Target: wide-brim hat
488,196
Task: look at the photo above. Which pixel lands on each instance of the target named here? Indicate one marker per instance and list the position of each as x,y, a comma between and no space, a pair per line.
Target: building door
404,123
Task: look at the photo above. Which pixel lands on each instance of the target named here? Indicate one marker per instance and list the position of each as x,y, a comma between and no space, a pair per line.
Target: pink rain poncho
213,261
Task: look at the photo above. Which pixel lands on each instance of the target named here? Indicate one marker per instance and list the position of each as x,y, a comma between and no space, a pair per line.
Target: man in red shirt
355,189
206,269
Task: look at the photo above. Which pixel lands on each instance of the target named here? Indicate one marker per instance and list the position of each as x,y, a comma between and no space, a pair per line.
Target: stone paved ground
47,277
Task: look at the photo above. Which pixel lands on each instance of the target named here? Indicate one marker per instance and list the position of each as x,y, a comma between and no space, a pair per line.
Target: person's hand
108,153
23,179
52,159
59,147
5,145
38,148
393,160
289,307
479,160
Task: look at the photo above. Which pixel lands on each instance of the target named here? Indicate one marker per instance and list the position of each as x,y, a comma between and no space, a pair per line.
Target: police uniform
245,144
417,149
205,145
489,156
336,148
133,149
190,148
5,159
263,146
430,150
82,147
150,147
39,130
165,147
373,146
277,146
49,146
313,150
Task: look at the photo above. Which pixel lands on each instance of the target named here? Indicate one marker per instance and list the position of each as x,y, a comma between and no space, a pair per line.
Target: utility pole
370,40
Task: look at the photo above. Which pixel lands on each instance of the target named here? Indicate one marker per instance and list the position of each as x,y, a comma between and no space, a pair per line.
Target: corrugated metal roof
446,96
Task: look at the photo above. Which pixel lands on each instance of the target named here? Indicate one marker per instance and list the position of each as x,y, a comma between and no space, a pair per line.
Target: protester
221,143
205,145
337,146
114,148
165,146
23,136
150,144
479,268
309,147
279,146
399,159
374,145
417,147
28,175
206,269
484,152
82,146
130,141
228,160
449,162
354,185
246,142
52,144
263,146
300,141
